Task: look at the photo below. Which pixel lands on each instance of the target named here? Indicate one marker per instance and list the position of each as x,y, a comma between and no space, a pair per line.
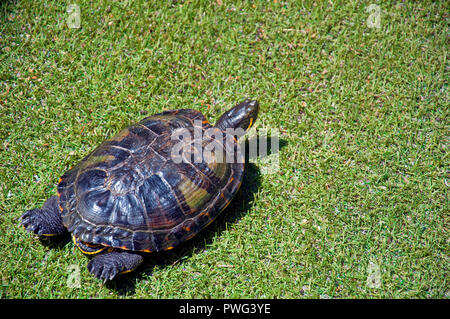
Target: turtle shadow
238,208
55,242
6,8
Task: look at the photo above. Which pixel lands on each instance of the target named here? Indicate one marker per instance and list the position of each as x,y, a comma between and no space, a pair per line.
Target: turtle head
241,116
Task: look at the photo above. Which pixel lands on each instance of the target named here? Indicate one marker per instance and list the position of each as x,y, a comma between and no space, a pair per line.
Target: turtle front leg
108,265
45,221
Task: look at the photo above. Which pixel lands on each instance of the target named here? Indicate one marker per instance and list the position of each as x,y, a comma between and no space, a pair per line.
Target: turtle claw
103,269
108,265
32,222
45,221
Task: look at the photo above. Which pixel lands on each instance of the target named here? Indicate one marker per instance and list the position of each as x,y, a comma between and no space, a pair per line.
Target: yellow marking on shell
251,123
87,252
206,213
48,235
229,201
226,205
169,248
147,250
59,205
195,196
59,196
205,122
91,245
121,135
219,168
90,252
98,159
160,118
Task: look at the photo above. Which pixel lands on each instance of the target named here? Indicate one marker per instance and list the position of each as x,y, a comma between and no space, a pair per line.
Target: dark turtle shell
129,193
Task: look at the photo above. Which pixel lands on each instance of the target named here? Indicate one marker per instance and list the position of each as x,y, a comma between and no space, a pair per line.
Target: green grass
363,119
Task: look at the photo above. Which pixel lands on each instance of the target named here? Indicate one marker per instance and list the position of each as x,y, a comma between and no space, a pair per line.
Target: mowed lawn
358,207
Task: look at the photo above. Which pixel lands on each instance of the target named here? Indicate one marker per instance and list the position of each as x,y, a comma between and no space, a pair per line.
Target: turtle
147,189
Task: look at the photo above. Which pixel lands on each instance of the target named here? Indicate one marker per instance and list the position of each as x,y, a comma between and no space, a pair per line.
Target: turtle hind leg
108,265
45,221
